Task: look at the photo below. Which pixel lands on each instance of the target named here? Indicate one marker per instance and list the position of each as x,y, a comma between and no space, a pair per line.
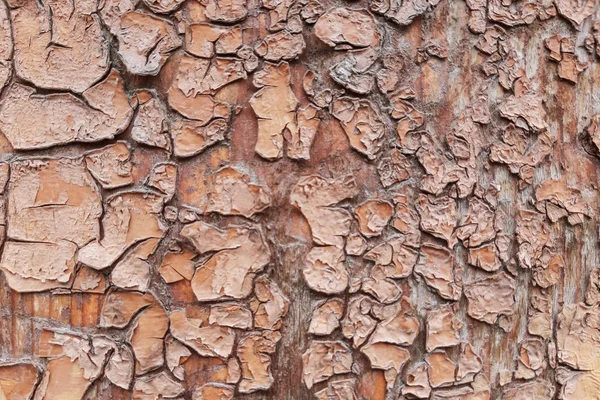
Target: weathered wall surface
298,199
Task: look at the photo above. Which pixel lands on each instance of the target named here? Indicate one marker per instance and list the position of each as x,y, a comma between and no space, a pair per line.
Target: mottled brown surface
299,199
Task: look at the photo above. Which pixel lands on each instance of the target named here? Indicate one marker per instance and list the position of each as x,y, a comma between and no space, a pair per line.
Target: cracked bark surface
299,199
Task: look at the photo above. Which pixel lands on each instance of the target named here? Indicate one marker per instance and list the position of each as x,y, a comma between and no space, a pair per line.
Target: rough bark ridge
299,199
